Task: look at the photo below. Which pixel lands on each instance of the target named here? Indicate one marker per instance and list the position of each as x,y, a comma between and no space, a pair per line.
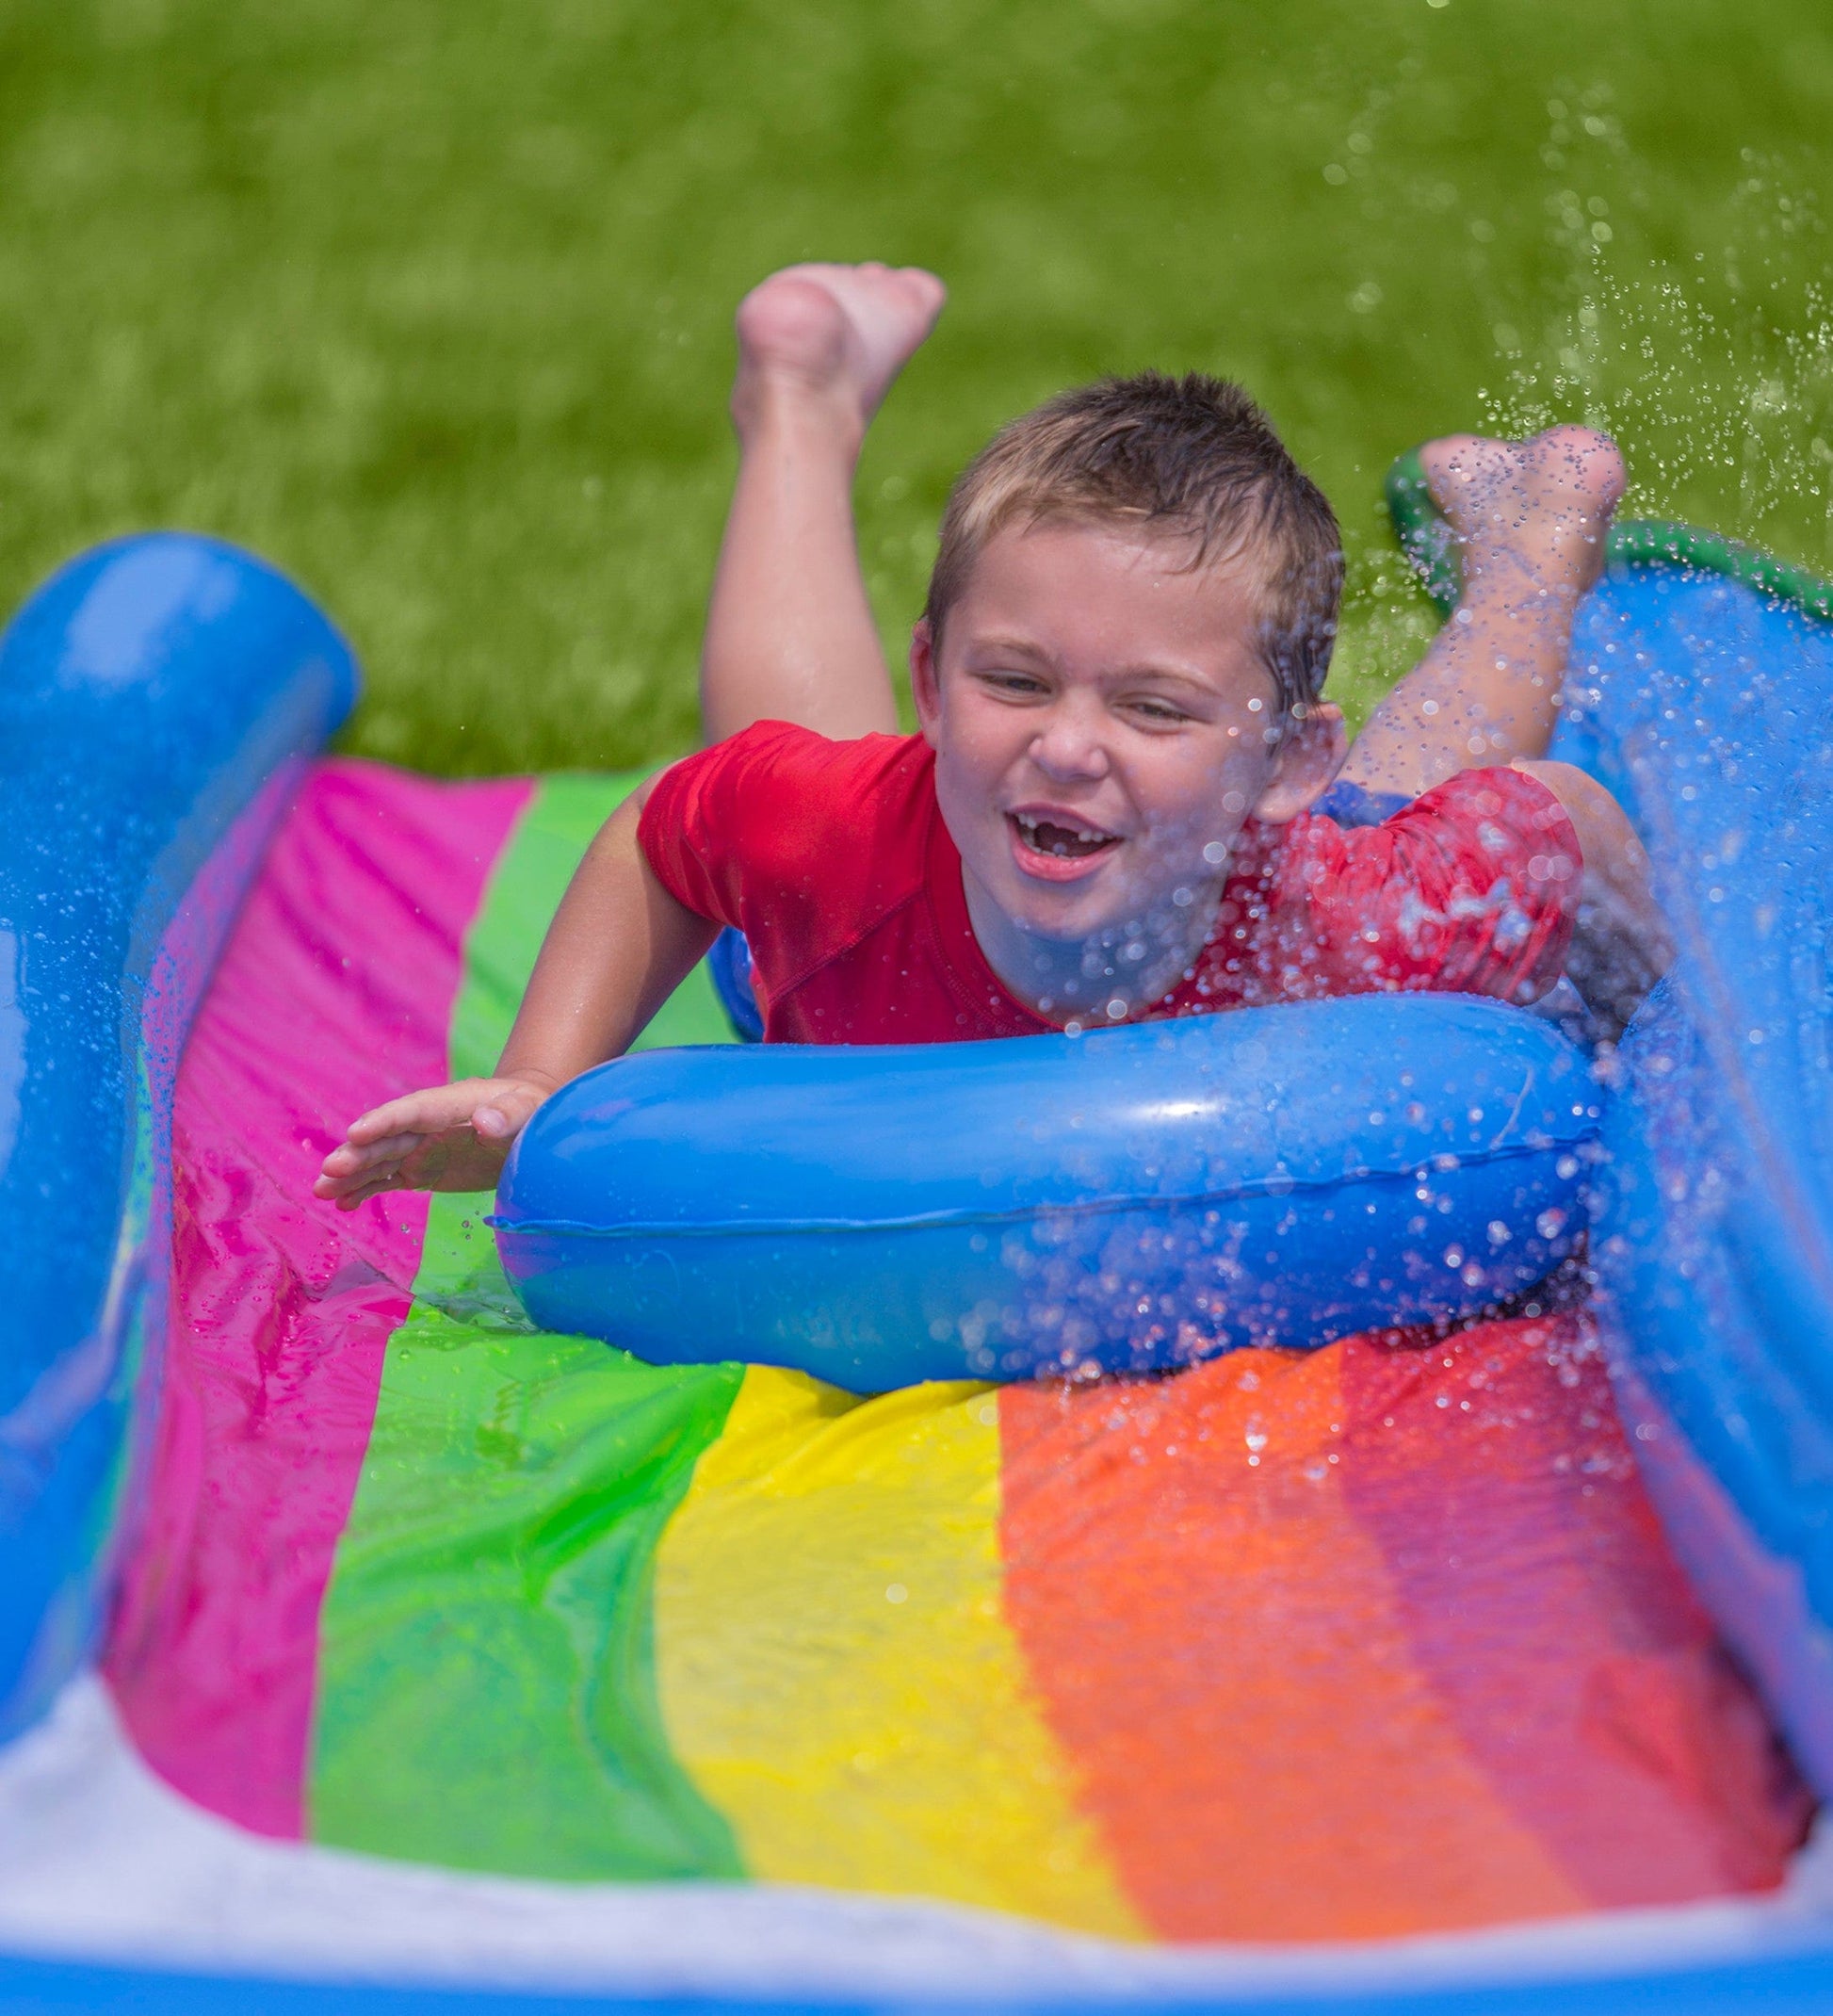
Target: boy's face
1100,714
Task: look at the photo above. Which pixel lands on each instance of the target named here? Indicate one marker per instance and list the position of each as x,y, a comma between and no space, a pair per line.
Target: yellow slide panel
834,1666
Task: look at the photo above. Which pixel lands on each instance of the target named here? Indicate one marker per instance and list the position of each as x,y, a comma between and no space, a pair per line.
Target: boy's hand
618,947
452,1137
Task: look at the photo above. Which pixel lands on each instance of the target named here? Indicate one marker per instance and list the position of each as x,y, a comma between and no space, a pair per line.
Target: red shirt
834,860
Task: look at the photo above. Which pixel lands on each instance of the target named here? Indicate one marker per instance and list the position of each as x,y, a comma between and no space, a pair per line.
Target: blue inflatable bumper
1124,1201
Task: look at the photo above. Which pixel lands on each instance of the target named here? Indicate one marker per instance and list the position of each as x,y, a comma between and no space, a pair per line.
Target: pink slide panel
336,992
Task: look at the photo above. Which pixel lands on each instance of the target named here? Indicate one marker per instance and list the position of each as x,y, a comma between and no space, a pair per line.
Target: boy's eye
1159,712
1021,685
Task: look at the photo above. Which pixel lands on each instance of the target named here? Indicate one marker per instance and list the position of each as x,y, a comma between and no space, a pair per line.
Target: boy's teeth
1048,837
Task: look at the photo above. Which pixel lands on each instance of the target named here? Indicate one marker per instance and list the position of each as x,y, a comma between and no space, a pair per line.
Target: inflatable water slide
1441,1640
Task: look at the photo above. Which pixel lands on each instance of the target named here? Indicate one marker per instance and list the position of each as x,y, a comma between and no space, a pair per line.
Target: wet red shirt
834,860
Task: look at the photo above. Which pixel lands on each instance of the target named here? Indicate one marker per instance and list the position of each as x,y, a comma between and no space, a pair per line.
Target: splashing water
1710,362
1714,372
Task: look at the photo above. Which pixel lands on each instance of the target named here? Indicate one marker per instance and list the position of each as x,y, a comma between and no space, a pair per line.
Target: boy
1107,814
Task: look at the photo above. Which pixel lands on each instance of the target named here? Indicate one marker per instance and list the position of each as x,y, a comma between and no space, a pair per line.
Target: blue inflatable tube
156,699
1124,1201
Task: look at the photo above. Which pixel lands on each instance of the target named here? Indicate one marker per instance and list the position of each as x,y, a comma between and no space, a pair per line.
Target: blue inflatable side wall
1790,1984
1709,711
155,700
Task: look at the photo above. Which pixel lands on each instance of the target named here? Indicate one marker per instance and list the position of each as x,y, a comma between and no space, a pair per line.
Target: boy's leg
1530,519
789,633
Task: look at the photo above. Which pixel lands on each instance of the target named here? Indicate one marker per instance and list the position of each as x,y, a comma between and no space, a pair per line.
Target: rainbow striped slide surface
1376,1640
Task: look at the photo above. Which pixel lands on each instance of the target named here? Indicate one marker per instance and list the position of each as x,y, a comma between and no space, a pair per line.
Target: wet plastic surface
155,700
1708,710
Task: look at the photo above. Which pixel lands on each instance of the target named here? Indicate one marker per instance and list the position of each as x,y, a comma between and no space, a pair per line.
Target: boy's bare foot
1539,508
838,335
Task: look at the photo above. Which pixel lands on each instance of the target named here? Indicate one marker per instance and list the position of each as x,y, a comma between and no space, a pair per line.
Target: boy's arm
618,947
1530,519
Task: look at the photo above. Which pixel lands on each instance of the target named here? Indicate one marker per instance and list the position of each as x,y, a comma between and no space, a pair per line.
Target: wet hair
1191,459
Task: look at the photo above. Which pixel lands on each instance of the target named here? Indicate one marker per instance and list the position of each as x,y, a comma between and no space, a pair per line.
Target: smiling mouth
1062,843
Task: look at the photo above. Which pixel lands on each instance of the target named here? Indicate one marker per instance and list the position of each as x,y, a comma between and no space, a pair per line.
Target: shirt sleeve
788,836
687,830
725,822
1472,889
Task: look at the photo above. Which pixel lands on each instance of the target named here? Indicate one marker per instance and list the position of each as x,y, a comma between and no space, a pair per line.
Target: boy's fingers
353,1157
383,1145
388,1118
343,1161
353,1198
418,1115
506,1114
372,1183
352,1190
419,1112
348,1168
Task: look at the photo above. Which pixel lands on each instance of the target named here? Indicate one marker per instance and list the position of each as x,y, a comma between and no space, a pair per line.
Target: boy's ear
925,679
1311,756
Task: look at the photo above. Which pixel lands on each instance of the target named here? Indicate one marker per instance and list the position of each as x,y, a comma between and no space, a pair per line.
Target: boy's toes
1586,460
925,290
919,296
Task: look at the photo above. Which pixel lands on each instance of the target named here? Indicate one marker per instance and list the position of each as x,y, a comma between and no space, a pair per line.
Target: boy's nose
1070,745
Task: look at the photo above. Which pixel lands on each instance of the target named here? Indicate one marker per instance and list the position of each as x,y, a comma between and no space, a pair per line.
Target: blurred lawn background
430,300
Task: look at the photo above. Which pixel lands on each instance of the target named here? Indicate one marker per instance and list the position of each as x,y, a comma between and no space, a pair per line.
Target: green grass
430,299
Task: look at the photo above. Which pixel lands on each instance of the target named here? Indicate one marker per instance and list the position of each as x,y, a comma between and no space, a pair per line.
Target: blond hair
1192,458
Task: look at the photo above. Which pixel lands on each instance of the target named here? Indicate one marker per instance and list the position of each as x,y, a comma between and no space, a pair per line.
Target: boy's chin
1073,914
1111,901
